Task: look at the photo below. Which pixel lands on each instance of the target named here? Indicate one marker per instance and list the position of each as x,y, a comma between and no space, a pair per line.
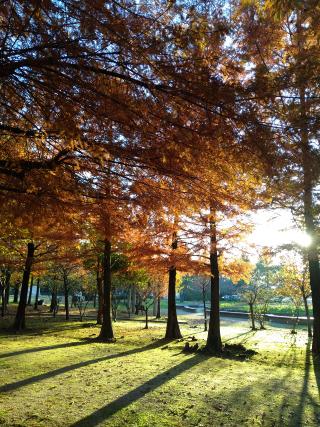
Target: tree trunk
295,322
214,343
312,252
37,294
19,322
95,300
129,301
30,291
51,303
133,300
158,316
106,333
3,300
204,307
138,304
173,330
306,307
7,285
147,323
154,307
16,292
253,325
54,303
100,294
308,204
66,296
100,303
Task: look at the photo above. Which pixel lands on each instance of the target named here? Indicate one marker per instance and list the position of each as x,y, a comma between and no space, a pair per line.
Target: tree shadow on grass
316,368
48,327
245,336
297,419
45,348
122,402
64,369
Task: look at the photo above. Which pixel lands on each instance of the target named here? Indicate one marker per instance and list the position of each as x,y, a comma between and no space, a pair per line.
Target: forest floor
56,374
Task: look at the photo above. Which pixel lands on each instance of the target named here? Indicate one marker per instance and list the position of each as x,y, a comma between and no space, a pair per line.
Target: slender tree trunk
95,300
312,250
154,306
37,294
204,307
100,303
308,204
295,322
106,332
3,300
253,325
147,323
30,291
173,329
129,301
16,292
306,307
214,343
66,296
158,316
52,302
100,294
133,300
7,284
114,309
138,303
19,322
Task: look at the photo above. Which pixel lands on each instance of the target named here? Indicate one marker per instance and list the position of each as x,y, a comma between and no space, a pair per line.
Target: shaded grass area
56,374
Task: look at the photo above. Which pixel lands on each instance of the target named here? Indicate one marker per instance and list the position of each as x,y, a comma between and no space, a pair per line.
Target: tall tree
280,45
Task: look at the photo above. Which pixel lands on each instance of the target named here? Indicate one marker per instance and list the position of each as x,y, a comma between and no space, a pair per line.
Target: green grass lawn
57,375
274,308
284,309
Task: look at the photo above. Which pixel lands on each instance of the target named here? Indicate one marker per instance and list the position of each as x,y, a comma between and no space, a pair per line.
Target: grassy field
274,308
57,375
285,309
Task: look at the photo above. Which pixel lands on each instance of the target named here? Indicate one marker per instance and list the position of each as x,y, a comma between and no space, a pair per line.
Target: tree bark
308,204
154,306
204,307
20,321
147,323
37,294
100,293
30,291
129,301
173,329
54,303
312,251
3,299
7,285
138,304
66,295
133,300
106,333
158,316
306,307
253,325
214,343
16,292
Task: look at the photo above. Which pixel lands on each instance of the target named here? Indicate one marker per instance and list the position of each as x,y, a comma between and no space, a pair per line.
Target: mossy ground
55,374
